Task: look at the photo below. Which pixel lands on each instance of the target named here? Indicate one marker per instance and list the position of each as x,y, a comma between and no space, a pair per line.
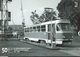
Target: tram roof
50,22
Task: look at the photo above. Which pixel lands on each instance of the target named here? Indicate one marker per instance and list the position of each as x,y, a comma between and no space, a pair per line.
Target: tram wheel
26,39
42,42
48,44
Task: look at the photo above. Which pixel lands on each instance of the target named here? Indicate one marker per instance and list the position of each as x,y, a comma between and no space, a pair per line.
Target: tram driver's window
57,28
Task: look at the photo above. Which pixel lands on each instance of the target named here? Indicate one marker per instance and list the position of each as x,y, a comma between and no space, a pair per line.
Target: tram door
51,32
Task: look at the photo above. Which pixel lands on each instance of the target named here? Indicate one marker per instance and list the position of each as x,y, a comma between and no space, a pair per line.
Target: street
72,50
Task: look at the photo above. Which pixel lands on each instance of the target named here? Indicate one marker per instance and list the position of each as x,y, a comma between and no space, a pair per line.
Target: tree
69,9
47,15
35,17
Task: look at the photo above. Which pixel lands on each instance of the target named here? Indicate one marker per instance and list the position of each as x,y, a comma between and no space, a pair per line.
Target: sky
28,7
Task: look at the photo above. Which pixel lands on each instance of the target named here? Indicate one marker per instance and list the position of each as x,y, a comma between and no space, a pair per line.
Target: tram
57,31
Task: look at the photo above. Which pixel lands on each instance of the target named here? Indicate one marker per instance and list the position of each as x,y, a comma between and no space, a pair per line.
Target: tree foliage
35,17
48,15
70,9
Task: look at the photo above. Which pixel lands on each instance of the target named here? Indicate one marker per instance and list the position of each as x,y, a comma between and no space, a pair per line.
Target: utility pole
23,21
51,10
4,14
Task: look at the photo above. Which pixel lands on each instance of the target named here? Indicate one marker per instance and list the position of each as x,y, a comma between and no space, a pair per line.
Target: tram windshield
63,27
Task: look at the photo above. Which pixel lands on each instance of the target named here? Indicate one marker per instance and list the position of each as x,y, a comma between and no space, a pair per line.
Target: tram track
69,47
42,45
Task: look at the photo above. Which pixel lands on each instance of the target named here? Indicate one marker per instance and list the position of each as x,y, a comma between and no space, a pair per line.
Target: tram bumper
62,41
67,41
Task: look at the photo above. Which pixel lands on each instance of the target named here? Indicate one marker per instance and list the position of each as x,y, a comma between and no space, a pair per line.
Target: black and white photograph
39,28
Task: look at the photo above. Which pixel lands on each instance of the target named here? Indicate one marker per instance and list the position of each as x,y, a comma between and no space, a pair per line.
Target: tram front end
64,34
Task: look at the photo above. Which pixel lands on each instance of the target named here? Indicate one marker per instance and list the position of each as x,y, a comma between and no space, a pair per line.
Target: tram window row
41,28
36,29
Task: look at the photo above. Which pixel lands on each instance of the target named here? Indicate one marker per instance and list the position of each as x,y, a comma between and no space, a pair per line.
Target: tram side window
38,28
43,28
30,29
34,29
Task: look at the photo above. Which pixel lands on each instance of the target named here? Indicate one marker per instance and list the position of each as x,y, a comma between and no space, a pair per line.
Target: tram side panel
36,36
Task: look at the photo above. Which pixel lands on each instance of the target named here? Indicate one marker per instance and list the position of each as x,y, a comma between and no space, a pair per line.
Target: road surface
31,50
